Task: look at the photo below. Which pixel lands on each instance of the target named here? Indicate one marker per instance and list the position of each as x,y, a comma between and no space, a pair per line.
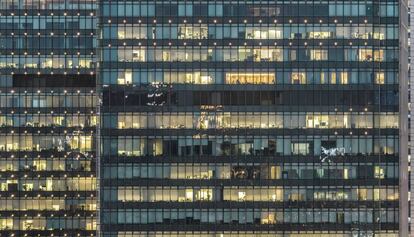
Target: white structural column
411,115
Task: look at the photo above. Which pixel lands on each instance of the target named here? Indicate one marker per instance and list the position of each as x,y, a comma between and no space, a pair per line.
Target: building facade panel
241,118
47,118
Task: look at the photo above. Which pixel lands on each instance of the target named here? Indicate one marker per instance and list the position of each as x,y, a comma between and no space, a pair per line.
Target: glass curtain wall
249,118
47,118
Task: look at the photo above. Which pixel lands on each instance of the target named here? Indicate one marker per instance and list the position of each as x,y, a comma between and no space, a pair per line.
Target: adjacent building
47,118
410,114
253,118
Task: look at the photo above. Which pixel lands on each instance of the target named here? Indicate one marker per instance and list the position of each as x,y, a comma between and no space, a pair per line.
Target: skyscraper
47,118
242,118
203,118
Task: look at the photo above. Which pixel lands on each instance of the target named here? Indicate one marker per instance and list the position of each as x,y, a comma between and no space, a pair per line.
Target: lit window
197,78
129,55
125,77
241,196
318,54
204,195
333,77
324,79
121,34
300,148
298,78
250,78
346,174
275,172
376,194
343,78
84,63
296,197
257,34
189,195
26,187
379,78
365,55
319,35
362,194
317,121
6,224
268,218
193,32
369,55
48,63
39,165
166,56
90,224
379,55
393,196
27,224
264,33
378,35
379,172
58,120
138,55
5,121
277,195
268,55
132,32
83,143
206,174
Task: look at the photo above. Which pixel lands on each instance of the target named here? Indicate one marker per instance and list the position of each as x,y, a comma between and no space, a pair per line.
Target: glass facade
250,118
219,118
47,118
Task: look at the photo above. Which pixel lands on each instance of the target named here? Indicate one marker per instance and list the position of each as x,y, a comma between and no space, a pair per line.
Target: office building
47,118
253,118
215,118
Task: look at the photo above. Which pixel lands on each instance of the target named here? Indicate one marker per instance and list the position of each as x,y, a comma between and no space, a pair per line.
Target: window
333,77
343,78
298,78
193,32
268,55
379,55
198,78
250,78
189,195
370,55
264,11
319,35
379,172
275,172
300,148
132,32
131,55
318,54
263,33
204,195
138,55
379,78
241,196
268,218
317,121
125,77
362,194
83,143
365,55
